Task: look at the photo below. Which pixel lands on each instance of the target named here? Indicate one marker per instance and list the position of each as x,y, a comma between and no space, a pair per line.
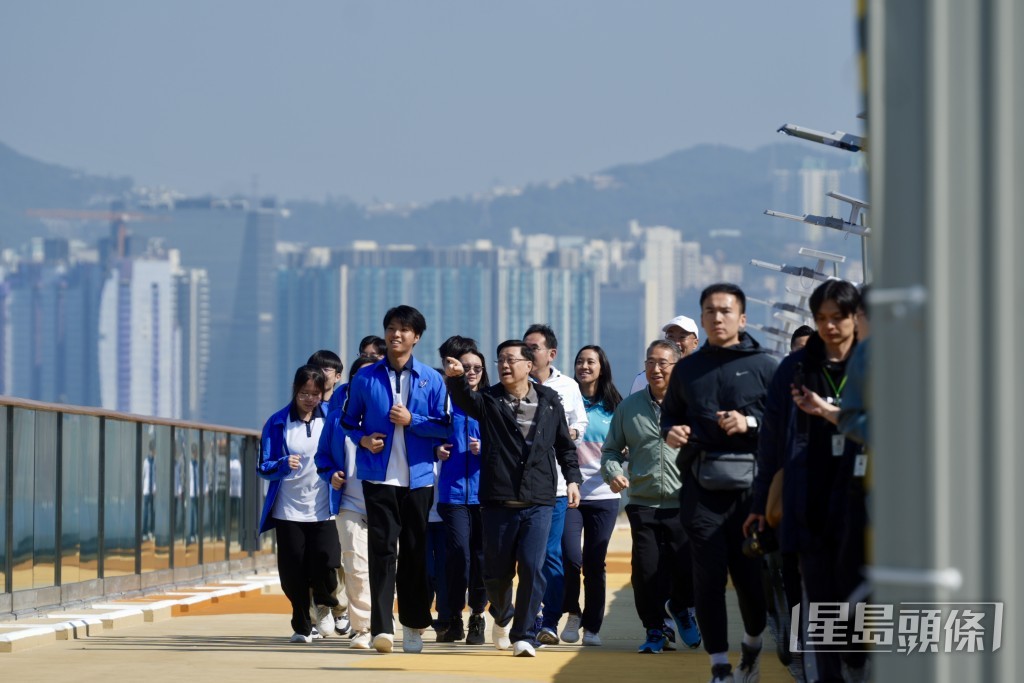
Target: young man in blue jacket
396,411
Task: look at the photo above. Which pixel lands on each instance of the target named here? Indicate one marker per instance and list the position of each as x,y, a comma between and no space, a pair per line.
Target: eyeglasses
308,397
660,364
473,369
507,360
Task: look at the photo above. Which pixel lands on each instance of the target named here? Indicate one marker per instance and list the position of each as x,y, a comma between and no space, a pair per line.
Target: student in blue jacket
459,504
396,412
297,503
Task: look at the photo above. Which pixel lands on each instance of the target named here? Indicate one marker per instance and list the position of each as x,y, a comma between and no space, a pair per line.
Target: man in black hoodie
712,412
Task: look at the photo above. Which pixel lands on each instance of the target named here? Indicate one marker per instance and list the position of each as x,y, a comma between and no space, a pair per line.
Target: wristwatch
751,422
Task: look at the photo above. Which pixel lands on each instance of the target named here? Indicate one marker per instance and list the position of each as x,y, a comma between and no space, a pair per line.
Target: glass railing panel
80,497
121,491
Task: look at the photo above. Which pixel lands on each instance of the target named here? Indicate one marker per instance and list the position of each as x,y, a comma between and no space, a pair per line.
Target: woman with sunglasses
298,502
458,505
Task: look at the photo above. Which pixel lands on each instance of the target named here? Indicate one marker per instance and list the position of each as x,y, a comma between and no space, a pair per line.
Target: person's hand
618,483
444,451
732,422
294,461
750,521
572,491
453,367
678,436
400,415
337,480
474,445
574,434
373,442
812,403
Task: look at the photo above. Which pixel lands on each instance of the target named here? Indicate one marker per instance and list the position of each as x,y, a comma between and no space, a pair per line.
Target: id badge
860,465
838,444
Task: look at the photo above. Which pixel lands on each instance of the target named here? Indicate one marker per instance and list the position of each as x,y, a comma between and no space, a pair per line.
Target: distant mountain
697,190
26,183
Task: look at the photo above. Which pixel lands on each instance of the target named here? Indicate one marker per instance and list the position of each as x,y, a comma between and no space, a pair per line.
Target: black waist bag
724,471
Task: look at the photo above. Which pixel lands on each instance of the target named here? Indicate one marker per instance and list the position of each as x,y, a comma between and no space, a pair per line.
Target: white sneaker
341,624
360,641
324,620
499,635
523,648
571,632
299,638
384,642
591,639
412,640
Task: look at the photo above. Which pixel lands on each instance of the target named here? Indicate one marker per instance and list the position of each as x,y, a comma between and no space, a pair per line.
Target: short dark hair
378,343
550,340
802,331
725,288
843,293
517,344
865,294
359,362
306,373
606,393
407,315
325,358
455,346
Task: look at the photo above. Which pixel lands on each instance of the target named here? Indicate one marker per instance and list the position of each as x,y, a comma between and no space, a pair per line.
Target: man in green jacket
662,574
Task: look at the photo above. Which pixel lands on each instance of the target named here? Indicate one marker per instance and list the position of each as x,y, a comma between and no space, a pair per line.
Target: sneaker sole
383,645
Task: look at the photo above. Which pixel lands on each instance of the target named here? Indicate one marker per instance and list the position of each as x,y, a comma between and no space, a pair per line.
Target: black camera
758,543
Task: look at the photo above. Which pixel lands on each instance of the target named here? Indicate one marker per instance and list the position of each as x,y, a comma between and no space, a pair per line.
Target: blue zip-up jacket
366,409
459,482
330,455
273,460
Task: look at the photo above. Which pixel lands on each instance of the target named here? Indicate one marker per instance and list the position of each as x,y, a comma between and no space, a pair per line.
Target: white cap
682,321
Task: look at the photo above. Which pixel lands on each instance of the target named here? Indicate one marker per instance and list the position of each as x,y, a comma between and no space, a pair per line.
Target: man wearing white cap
681,330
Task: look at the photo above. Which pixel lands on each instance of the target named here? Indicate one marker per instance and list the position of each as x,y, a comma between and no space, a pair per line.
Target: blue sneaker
686,625
670,637
547,636
655,642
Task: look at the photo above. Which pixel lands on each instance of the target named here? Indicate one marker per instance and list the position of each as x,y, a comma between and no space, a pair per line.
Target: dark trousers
437,568
662,567
588,530
515,536
396,519
464,536
821,575
713,520
308,555
148,518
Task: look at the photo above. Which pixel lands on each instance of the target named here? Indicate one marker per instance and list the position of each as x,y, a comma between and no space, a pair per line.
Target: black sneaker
721,673
476,630
453,633
749,670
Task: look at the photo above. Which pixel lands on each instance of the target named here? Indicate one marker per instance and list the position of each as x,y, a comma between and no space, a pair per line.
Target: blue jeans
554,571
436,568
592,522
465,557
515,536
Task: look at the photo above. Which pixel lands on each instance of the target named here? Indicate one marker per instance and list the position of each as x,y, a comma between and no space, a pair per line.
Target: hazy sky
410,101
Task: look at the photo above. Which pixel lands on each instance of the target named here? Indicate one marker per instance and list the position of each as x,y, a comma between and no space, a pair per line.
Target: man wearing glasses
523,433
662,575
544,344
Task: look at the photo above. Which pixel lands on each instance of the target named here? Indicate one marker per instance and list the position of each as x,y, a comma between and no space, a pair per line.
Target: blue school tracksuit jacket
273,460
366,408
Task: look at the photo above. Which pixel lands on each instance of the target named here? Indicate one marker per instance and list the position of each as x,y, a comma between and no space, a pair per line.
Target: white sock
719,658
752,641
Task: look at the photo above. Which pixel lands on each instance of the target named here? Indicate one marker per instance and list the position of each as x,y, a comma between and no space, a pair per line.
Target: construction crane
118,222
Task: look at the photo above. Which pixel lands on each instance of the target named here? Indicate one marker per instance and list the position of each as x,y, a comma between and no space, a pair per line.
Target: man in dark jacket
522,433
712,411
